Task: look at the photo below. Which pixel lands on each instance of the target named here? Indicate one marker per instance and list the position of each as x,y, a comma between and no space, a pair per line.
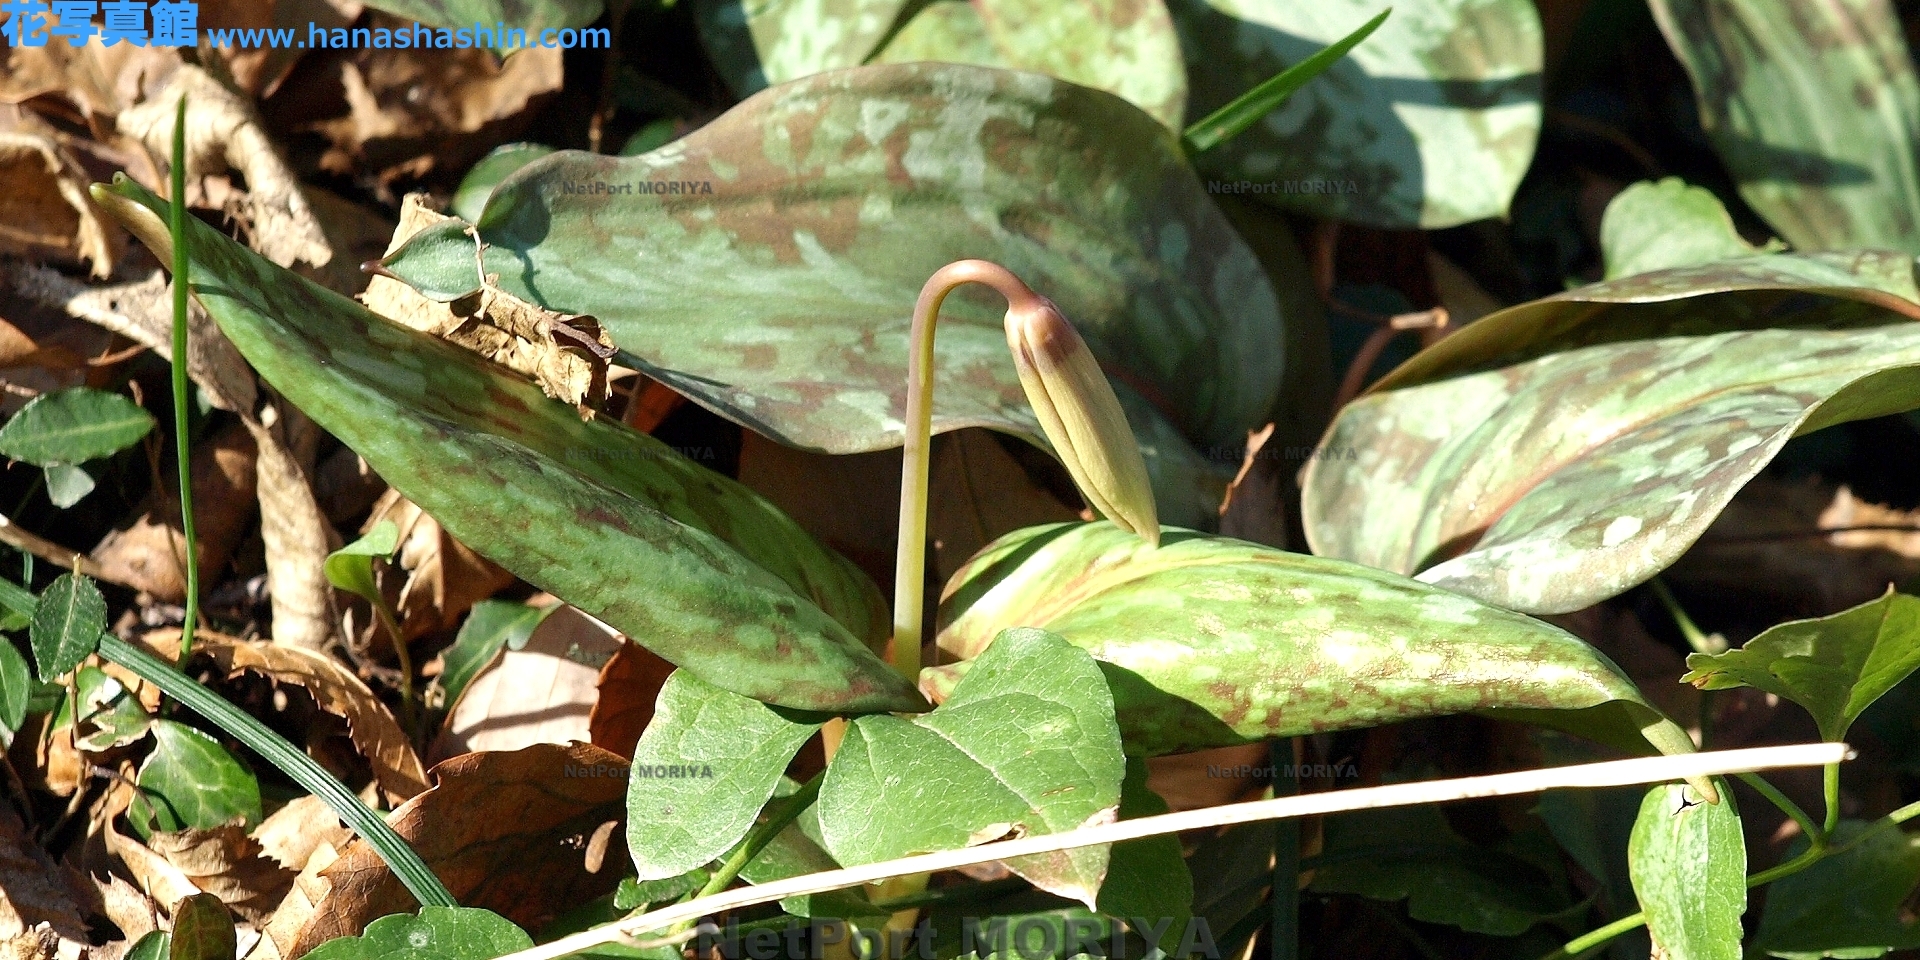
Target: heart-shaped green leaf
531,16
1659,226
1026,744
1688,861
66,627
702,770
1814,109
1851,904
1429,123
1208,641
72,426
696,567
1627,415
202,930
191,781
438,933
1835,666
110,715
1125,47
767,264
350,568
67,484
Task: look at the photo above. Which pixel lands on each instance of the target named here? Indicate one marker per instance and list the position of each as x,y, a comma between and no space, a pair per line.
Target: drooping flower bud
1080,415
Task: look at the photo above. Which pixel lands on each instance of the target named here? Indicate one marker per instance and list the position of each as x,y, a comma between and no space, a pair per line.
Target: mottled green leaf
73,426
202,930
1835,666
1688,861
759,44
438,933
529,15
1627,414
191,781
782,298
67,624
1429,123
1026,744
736,749
700,570
471,196
1852,905
492,625
1208,641
1661,225
1814,109
1125,47
350,568
67,484
16,686
1411,854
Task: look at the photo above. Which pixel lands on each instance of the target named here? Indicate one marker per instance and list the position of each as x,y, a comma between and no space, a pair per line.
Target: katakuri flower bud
1080,415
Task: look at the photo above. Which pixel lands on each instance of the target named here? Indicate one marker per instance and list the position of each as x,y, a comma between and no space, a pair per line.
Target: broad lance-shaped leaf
1814,108
1662,225
1026,744
1429,123
1626,415
1125,47
1835,666
722,755
1689,865
777,284
687,562
1208,641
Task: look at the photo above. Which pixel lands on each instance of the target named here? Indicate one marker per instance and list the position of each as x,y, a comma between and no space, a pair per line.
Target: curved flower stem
177,224
910,559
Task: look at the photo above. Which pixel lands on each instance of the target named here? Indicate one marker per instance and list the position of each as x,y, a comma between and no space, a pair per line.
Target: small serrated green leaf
66,627
202,930
350,568
1688,861
73,426
67,484
1834,666
191,781
727,753
437,933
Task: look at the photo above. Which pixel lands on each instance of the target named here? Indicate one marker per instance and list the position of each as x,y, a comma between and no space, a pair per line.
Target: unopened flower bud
1080,415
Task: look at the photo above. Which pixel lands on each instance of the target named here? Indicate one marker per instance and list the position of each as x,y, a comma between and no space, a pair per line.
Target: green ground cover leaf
66,626
690,563
1627,415
153,946
491,626
1851,905
438,933
16,686
782,298
1665,224
71,426
350,568
1208,641
1429,123
1688,861
110,715
1814,108
1835,666
1026,744
676,823
191,781
202,930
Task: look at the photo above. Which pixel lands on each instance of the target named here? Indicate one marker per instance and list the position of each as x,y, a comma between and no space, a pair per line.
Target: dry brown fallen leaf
309,889
151,872
523,834
292,833
145,552
258,71
87,85
224,132
566,354
33,891
334,688
444,577
296,534
227,863
628,687
541,693
45,211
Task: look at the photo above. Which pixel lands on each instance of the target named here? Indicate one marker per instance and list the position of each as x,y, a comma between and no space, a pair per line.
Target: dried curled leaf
227,863
566,354
45,209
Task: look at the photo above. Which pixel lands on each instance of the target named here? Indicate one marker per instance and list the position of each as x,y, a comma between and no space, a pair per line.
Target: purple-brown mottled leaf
1208,641
777,288
1626,415
683,560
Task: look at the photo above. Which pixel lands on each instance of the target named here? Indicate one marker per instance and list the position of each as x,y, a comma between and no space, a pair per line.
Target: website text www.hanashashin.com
176,23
